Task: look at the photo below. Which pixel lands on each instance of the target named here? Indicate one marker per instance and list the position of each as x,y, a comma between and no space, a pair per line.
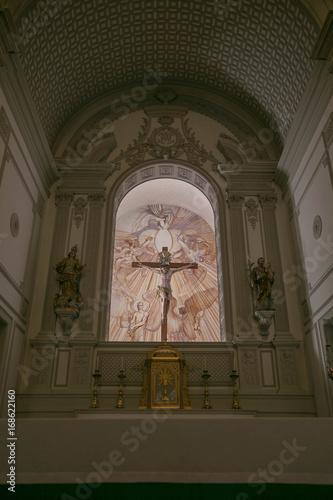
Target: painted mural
135,304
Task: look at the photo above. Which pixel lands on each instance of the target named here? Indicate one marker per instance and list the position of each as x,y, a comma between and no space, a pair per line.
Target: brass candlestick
234,378
206,376
120,399
97,376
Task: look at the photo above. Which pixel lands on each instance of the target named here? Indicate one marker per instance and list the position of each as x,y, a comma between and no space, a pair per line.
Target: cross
165,269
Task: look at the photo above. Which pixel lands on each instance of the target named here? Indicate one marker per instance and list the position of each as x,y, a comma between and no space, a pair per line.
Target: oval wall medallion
317,227
14,225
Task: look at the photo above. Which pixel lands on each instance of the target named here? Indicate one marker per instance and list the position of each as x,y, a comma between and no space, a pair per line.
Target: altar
170,446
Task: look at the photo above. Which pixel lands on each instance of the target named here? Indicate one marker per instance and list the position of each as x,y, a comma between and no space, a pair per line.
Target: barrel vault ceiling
255,53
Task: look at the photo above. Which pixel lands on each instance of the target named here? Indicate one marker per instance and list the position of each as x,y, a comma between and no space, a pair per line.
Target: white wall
21,193
312,191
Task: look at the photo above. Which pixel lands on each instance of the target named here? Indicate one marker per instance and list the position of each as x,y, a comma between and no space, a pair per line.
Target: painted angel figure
192,246
154,217
137,322
192,312
126,252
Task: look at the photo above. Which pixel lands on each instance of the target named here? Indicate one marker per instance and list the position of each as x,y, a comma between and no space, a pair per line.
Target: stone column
268,203
242,285
63,202
88,283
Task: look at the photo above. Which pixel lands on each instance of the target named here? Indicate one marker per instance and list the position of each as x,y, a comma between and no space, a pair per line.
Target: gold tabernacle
165,379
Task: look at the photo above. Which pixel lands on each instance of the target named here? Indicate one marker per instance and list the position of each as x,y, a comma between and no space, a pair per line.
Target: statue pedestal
264,318
66,317
165,379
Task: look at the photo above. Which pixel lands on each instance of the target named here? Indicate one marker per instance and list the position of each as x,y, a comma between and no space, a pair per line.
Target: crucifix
165,269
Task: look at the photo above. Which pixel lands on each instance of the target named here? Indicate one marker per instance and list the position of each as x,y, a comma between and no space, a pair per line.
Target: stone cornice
250,180
86,178
259,168
68,170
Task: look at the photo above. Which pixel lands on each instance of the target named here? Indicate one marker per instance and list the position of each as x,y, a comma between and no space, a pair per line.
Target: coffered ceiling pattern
255,53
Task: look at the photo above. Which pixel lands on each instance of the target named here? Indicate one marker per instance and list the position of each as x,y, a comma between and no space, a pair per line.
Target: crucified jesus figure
165,269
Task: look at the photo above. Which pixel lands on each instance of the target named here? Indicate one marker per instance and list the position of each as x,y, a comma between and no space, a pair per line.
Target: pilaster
243,297
268,204
88,285
63,202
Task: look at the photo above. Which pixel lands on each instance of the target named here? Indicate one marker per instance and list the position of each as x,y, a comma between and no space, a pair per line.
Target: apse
174,214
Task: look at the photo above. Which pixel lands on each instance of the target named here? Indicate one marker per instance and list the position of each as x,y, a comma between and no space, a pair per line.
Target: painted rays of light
135,309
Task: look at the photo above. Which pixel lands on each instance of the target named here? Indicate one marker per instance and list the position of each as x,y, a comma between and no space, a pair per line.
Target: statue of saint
262,279
69,274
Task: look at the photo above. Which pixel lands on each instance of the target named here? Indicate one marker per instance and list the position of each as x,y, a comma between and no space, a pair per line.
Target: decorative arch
206,190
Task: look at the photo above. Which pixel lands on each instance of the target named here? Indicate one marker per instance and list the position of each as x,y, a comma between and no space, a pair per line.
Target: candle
235,357
205,363
97,362
122,363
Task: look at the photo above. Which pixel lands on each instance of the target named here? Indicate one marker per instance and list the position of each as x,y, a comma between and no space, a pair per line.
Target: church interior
166,248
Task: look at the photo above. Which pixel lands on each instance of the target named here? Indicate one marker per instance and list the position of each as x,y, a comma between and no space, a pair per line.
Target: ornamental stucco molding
248,361
252,212
166,170
268,201
81,360
63,199
79,211
235,200
160,139
288,366
96,199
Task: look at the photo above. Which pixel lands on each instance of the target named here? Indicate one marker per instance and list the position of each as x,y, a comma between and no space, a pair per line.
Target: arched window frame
190,174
